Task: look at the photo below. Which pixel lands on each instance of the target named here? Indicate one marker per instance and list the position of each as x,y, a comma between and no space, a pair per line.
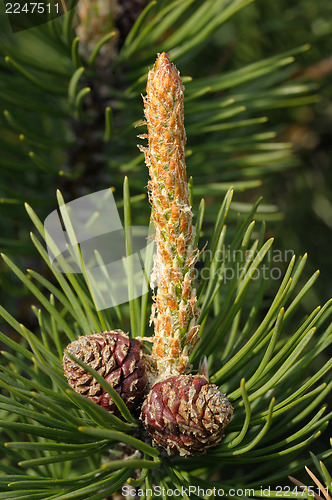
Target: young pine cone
117,358
186,415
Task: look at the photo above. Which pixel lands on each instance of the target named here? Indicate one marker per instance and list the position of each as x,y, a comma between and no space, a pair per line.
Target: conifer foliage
69,104
76,130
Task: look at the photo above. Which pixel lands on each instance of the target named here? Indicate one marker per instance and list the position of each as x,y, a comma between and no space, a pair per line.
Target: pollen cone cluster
175,312
182,413
118,359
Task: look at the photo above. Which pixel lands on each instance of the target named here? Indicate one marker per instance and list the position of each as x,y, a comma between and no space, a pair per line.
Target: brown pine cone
117,358
186,415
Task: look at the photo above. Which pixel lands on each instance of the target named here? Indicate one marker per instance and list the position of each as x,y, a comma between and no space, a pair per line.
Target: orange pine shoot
174,312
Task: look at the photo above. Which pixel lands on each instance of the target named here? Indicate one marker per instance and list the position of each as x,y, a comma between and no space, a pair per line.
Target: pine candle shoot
174,312
182,413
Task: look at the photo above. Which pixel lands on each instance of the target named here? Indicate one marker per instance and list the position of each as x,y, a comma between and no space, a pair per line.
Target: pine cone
186,415
115,357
